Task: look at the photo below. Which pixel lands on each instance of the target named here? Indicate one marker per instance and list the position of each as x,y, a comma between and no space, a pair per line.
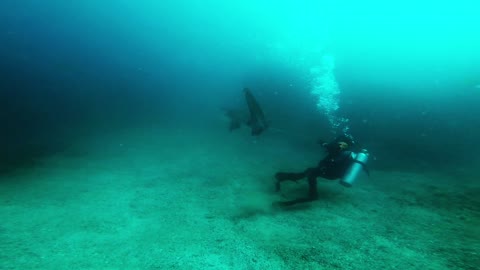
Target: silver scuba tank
359,160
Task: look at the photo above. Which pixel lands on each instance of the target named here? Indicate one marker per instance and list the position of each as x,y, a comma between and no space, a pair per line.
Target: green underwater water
115,154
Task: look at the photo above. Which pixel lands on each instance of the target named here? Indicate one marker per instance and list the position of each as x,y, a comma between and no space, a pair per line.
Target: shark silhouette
255,118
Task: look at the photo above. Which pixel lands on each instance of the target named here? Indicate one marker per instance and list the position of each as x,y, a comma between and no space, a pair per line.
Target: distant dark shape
256,120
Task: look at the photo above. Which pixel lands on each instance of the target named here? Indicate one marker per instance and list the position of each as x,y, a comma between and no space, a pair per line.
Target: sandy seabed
178,198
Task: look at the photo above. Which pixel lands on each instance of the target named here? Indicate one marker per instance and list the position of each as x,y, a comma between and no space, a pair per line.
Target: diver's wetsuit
332,167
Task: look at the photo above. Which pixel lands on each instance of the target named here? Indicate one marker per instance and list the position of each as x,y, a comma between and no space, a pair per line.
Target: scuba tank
358,164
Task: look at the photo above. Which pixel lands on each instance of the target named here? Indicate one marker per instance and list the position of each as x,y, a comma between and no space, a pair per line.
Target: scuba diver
344,160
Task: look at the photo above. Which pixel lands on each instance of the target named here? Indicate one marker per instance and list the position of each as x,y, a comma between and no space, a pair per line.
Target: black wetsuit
332,167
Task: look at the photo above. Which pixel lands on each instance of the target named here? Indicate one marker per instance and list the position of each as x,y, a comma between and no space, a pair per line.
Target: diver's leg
284,176
312,175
